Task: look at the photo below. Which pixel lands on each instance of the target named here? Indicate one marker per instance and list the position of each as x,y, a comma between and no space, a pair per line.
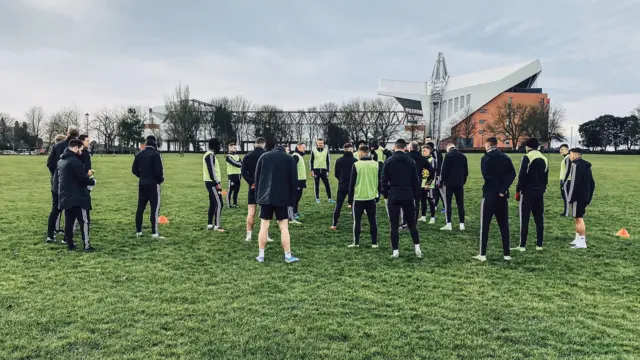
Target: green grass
201,295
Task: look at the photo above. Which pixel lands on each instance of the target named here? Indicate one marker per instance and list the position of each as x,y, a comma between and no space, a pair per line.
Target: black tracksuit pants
533,203
342,194
563,193
234,189
458,191
215,204
321,174
359,207
53,224
148,194
302,184
81,216
427,198
494,205
394,208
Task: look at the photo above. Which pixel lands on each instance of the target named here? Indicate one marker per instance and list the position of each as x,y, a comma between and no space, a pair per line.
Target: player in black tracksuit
71,181
422,163
580,194
248,171
498,173
343,174
533,178
53,226
454,174
437,165
400,188
147,166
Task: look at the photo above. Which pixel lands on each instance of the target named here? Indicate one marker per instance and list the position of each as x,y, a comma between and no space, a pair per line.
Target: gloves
218,187
517,196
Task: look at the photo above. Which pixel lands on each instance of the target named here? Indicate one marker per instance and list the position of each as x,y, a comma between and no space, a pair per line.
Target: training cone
224,193
623,233
163,220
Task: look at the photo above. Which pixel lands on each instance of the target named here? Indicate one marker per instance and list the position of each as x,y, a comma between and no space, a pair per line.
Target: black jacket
455,169
72,180
437,162
86,159
276,179
422,163
498,173
54,155
582,183
533,176
147,166
249,163
343,170
400,178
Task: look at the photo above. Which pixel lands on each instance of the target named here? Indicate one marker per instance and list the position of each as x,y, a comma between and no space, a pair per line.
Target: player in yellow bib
298,156
211,175
320,164
234,166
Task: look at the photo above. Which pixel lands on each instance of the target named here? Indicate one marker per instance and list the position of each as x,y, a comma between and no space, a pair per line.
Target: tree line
608,131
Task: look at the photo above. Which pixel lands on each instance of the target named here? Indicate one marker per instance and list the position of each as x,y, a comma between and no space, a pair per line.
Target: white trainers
480,258
247,239
138,234
519,248
507,258
295,222
446,227
374,246
269,239
574,241
461,227
423,219
209,227
432,221
353,245
418,253
538,248
157,237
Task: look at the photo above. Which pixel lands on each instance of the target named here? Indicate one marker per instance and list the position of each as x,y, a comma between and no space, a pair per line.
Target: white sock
577,236
249,234
417,247
433,218
448,224
461,224
261,252
396,253
287,254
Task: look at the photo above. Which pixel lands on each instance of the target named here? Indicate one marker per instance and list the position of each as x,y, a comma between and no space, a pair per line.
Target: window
482,122
450,110
510,100
455,105
468,99
482,111
480,131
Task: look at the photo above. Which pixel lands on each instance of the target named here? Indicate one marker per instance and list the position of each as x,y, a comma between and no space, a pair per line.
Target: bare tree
509,122
240,106
60,121
544,122
105,124
35,120
386,122
466,127
452,132
181,119
353,118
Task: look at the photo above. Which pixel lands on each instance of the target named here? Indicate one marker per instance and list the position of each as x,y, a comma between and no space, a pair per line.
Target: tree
325,120
35,119
240,106
5,131
386,122
130,128
508,122
267,125
590,134
182,119
544,122
465,129
221,122
106,125
60,121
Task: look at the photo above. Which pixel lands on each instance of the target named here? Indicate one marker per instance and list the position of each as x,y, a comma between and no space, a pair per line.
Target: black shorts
251,198
302,184
578,210
267,212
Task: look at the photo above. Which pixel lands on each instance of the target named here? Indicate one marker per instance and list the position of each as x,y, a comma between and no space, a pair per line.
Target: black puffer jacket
400,178
147,166
71,181
54,155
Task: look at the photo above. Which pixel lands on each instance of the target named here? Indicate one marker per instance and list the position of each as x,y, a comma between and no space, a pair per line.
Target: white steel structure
443,97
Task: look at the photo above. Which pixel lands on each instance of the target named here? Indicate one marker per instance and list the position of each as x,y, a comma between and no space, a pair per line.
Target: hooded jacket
582,183
400,178
147,166
498,173
72,180
533,176
276,178
455,169
343,170
422,163
56,151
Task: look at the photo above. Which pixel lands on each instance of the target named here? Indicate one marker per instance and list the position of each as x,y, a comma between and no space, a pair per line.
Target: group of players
409,179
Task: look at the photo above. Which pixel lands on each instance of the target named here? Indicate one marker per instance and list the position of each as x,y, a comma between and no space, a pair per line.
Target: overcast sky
96,53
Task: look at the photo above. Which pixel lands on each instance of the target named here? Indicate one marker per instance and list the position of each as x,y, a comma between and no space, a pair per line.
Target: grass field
201,295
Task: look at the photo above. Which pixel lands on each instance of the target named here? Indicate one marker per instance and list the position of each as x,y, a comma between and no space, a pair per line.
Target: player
454,174
400,186
532,184
428,193
422,165
234,166
498,174
320,164
213,183
276,184
580,194
565,177
298,157
363,192
147,166
343,174
248,170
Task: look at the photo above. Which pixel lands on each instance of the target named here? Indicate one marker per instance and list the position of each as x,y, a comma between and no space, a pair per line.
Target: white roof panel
486,76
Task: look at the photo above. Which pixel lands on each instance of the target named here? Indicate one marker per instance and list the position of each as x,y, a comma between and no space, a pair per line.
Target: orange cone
623,233
163,220
224,193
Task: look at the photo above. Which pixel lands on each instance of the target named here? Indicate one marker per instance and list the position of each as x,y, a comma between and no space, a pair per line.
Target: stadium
446,99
